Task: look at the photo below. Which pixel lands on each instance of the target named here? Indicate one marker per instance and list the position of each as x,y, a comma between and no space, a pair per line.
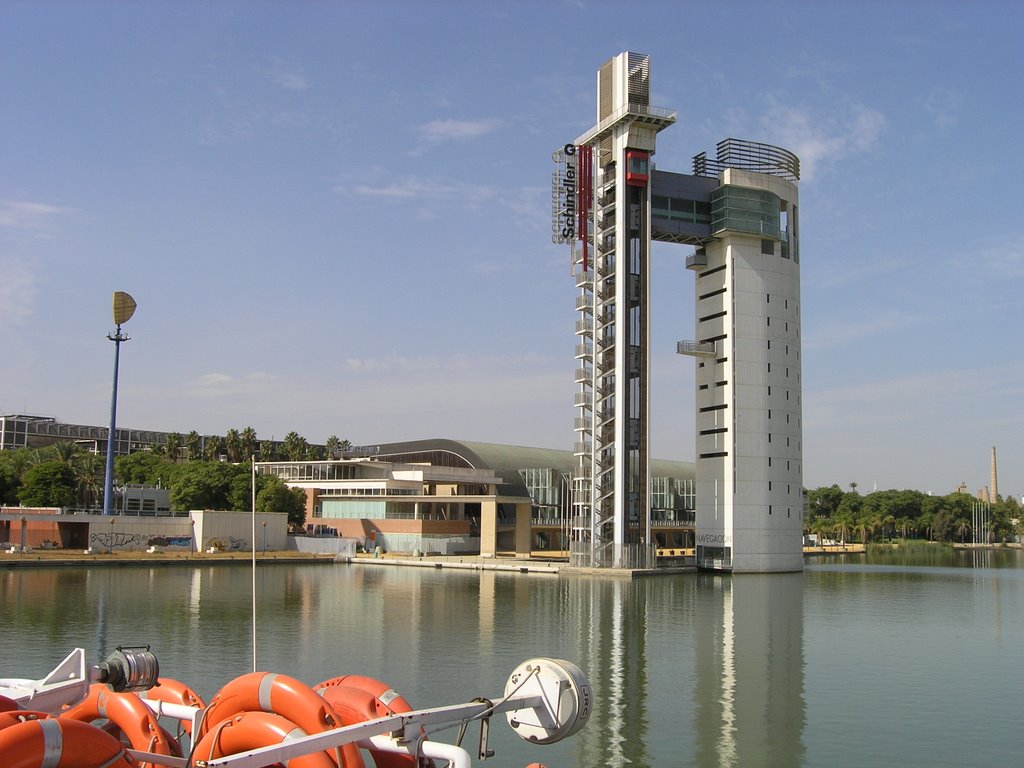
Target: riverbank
544,565
46,558
55,558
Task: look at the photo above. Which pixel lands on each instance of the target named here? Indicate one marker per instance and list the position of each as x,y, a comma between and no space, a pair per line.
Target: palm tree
294,446
193,446
267,450
821,526
173,446
214,448
248,437
962,527
65,452
841,525
89,469
233,444
332,446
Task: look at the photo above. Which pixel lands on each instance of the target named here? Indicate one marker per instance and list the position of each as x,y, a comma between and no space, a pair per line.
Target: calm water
848,664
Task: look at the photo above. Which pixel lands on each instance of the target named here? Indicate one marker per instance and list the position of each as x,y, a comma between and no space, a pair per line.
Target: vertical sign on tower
572,196
584,197
563,195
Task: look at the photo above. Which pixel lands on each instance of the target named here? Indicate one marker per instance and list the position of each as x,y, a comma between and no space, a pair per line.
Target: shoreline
37,558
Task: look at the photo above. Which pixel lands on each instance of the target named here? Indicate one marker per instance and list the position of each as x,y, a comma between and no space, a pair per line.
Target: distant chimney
994,485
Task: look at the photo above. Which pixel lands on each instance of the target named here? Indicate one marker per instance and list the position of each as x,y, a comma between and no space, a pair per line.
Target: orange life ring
270,692
252,730
13,717
129,713
7,705
172,691
282,695
56,743
357,698
390,701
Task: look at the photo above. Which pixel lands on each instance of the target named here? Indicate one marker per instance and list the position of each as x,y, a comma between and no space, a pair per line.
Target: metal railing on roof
748,156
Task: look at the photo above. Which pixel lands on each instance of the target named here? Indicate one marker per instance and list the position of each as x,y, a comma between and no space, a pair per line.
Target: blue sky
335,216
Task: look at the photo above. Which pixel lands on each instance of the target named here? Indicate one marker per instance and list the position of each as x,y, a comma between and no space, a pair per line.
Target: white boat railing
545,700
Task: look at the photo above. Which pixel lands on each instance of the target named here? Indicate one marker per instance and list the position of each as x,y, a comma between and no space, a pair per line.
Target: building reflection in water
611,616
748,695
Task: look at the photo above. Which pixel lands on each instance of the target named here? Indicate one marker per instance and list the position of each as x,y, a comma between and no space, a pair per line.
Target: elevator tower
611,166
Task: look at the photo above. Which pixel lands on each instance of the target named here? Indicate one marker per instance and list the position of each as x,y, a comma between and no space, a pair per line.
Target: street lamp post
124,308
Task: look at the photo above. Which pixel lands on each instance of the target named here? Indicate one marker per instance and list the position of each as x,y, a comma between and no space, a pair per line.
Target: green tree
144,468
824,502
248,438
172,448
277,497
1003,513
214,448
294,446
240,491
332,447
89,470
193,446
48,484
267,450
204,485
13,465
62,452
233,445
961,527
9,484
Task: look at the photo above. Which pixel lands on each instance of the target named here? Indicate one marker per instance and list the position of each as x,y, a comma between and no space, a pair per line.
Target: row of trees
66,475
885,515
241,445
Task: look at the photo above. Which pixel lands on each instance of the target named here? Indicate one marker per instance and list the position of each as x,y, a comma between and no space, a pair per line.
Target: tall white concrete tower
748,399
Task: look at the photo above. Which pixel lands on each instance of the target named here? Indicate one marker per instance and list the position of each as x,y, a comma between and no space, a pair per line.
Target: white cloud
861,407
426,364
820,137
944,106
458,130
214,379
23,214
219,384
867,323
1004,261
414,188
288,76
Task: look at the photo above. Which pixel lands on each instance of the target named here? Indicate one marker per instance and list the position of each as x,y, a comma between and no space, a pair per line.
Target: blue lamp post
124,308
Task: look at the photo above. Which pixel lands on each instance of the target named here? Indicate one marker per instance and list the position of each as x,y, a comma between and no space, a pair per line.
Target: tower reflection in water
749,691
695,670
